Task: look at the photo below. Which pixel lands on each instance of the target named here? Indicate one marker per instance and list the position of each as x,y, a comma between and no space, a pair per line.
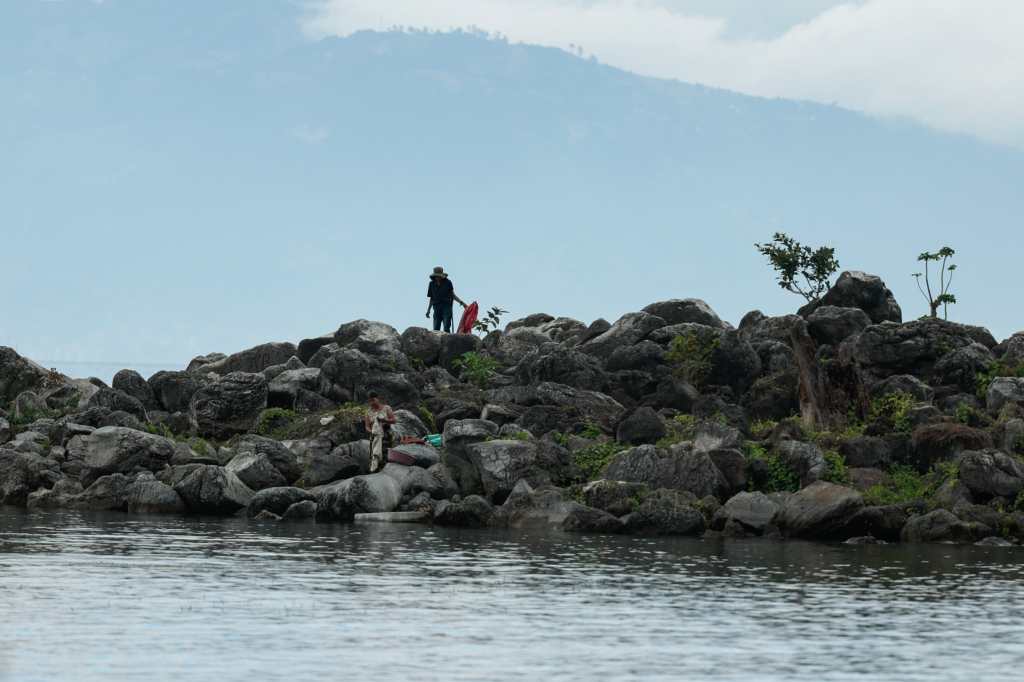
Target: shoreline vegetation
839,423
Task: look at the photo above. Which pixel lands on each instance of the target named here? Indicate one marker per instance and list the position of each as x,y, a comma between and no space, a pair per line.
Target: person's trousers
443,317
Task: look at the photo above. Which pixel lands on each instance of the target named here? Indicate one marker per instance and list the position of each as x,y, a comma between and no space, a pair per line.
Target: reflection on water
99,597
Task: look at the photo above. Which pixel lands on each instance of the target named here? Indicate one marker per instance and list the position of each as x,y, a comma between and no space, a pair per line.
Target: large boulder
500,464
666,512
539,508
734,363
421,345
119,450
174,390
642,425
588,406
307,348
130,382
990,473
615,497
142,494
937,526
470,512
629,329
256,471
678,311
558,364
414,454
209,489
746,513
416,480
678,468
324,464
277,500
6,432
117,401
860,290
251,361
18,374
372,338
806,460
914,348
229,406
286,389
373,493
962,367
21,473
459,435
832,325
819,511
1004,391
282,459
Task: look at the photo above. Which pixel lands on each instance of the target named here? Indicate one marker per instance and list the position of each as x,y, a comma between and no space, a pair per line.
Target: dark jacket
441,292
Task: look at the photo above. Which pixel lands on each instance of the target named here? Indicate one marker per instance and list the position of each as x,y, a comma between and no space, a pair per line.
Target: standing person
441,293
378,421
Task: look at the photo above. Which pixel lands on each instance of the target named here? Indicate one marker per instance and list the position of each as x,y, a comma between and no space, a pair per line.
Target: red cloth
468,318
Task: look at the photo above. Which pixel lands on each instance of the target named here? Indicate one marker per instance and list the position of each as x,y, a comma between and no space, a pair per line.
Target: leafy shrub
476,368
792,260
762,428
994,371
690,357
780,477
906,484
681,428
427,417
594,458
893,409
158,430
837,472
273,420
591,431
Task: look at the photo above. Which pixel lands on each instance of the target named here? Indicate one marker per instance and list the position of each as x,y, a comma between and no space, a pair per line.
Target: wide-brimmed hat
439,272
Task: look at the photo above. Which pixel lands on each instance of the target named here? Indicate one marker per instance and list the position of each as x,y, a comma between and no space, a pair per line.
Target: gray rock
990,473
914,348
819,511
590,406
408,424
615,497
118,401
5,431
646,355
904,383
454,346
666,512
806,460
678,468
745,513
734,363
250,361
856,289
993,541
373,338
582,519
500,464
629,329
458,435
146,495
21,473
542,508
733,466
1004,391
278,500
470,512
285,388
421,345
131,383
642,425
307,348
558,364
594,330
18,374
301,511
229,406
961,367
414,480
678,311
119,450
831,325
867,452
29,405
937,526
256,471
283,459
359,495
324,464
174,390
211,489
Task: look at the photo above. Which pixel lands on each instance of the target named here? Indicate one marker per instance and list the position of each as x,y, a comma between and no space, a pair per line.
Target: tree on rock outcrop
939,296
793,261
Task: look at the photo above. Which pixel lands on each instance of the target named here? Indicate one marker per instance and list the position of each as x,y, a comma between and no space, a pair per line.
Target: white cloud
310,134
953,64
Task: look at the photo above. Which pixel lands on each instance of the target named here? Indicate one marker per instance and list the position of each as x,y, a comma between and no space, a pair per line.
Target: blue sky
178,178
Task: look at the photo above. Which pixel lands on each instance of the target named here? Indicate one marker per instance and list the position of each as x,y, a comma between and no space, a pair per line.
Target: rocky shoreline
839,423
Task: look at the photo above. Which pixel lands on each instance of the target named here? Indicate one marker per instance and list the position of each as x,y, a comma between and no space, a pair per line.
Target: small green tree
793,261
941,295
489,322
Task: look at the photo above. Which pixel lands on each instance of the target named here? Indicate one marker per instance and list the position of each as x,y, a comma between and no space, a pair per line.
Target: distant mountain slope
197,189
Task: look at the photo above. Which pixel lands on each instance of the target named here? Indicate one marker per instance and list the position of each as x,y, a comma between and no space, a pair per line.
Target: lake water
108,597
